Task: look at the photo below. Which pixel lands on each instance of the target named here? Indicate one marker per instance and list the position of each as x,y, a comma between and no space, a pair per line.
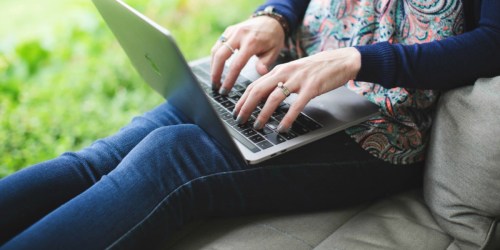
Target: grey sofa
457,208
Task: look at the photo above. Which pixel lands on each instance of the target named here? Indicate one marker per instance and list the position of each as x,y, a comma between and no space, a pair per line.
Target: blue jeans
138,187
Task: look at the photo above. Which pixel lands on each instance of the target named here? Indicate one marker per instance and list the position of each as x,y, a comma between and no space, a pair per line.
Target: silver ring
229,47
222,39
284,89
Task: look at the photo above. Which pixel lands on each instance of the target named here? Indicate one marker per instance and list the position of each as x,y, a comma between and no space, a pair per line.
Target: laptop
155,55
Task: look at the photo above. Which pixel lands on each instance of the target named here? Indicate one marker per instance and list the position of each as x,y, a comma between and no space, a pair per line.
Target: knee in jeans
176,136
183,148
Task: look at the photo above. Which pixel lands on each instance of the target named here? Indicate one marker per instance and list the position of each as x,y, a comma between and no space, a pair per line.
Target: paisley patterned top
400,134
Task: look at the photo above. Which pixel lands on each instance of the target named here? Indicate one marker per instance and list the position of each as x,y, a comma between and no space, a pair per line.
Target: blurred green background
64,80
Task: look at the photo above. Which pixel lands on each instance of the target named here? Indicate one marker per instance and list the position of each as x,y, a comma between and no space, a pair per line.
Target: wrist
269,12
355,62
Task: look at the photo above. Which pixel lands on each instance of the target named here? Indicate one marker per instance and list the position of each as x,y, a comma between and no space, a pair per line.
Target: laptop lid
154,54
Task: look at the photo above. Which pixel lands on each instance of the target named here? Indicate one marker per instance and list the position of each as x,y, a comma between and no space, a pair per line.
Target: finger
293,113
273,101
218,62
239,61
242,99
219,59
245,95
214,49
265,61
255,95
222,38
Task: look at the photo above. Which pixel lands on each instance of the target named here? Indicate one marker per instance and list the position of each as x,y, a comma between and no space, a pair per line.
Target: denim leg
179,173
30,194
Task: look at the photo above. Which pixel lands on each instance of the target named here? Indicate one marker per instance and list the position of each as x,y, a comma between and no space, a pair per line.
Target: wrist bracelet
269,11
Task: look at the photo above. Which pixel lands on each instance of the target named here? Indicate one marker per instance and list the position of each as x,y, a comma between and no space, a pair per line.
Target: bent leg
31,193
309,178
179,173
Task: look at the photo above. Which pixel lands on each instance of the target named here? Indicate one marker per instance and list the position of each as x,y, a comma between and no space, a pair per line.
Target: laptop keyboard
254,140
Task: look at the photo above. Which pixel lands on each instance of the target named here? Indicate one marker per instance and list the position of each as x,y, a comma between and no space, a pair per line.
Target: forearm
445,64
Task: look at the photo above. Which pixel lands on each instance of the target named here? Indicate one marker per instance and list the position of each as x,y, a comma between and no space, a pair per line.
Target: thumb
264,63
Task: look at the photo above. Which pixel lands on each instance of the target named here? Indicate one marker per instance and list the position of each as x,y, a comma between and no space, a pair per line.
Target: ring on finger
284,89
228,47
222,39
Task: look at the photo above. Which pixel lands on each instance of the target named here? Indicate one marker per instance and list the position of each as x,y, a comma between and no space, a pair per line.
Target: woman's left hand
308,77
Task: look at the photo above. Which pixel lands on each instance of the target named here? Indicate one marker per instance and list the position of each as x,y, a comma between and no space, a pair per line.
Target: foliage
61,91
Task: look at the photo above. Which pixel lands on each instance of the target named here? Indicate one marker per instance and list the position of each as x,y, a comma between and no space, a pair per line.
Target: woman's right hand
262,36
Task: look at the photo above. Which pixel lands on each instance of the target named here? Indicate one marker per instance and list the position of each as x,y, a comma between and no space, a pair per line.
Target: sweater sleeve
292,10
445,64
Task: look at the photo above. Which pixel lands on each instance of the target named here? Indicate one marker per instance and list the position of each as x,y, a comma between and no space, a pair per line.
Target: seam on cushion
286,234
404,218
345,222
170,194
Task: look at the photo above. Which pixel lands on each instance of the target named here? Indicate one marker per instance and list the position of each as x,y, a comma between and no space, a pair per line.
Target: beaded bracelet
269,11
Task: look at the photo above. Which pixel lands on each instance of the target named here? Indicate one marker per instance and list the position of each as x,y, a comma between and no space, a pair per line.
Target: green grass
65,82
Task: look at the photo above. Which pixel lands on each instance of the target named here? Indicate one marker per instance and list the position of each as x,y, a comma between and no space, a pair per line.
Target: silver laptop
155,55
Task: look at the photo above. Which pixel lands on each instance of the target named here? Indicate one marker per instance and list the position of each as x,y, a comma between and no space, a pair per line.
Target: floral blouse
400,134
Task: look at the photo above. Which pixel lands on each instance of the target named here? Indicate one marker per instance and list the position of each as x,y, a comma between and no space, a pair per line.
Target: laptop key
244,141
257,138
220,98
231,121
228,105
275,138
241,127
290,135
226,115
299,129
273,124
220,110
234,96
264,144
308,122
249,133
213,93
266,130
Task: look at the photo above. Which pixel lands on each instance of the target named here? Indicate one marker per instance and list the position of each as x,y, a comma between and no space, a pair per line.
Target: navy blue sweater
445,64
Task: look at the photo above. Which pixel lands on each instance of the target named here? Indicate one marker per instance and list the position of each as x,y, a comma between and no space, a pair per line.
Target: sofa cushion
398,222
267,231
462,179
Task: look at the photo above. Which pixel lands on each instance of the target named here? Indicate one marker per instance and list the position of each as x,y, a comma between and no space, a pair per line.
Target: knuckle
278,68
256,92
247,90
275,97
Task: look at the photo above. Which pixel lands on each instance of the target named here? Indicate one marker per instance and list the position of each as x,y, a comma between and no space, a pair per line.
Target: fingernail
215,86
256,124
282,129
235,114
239,119
223,91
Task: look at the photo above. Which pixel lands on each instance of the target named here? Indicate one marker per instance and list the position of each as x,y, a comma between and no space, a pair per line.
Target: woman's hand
262,36
308,77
